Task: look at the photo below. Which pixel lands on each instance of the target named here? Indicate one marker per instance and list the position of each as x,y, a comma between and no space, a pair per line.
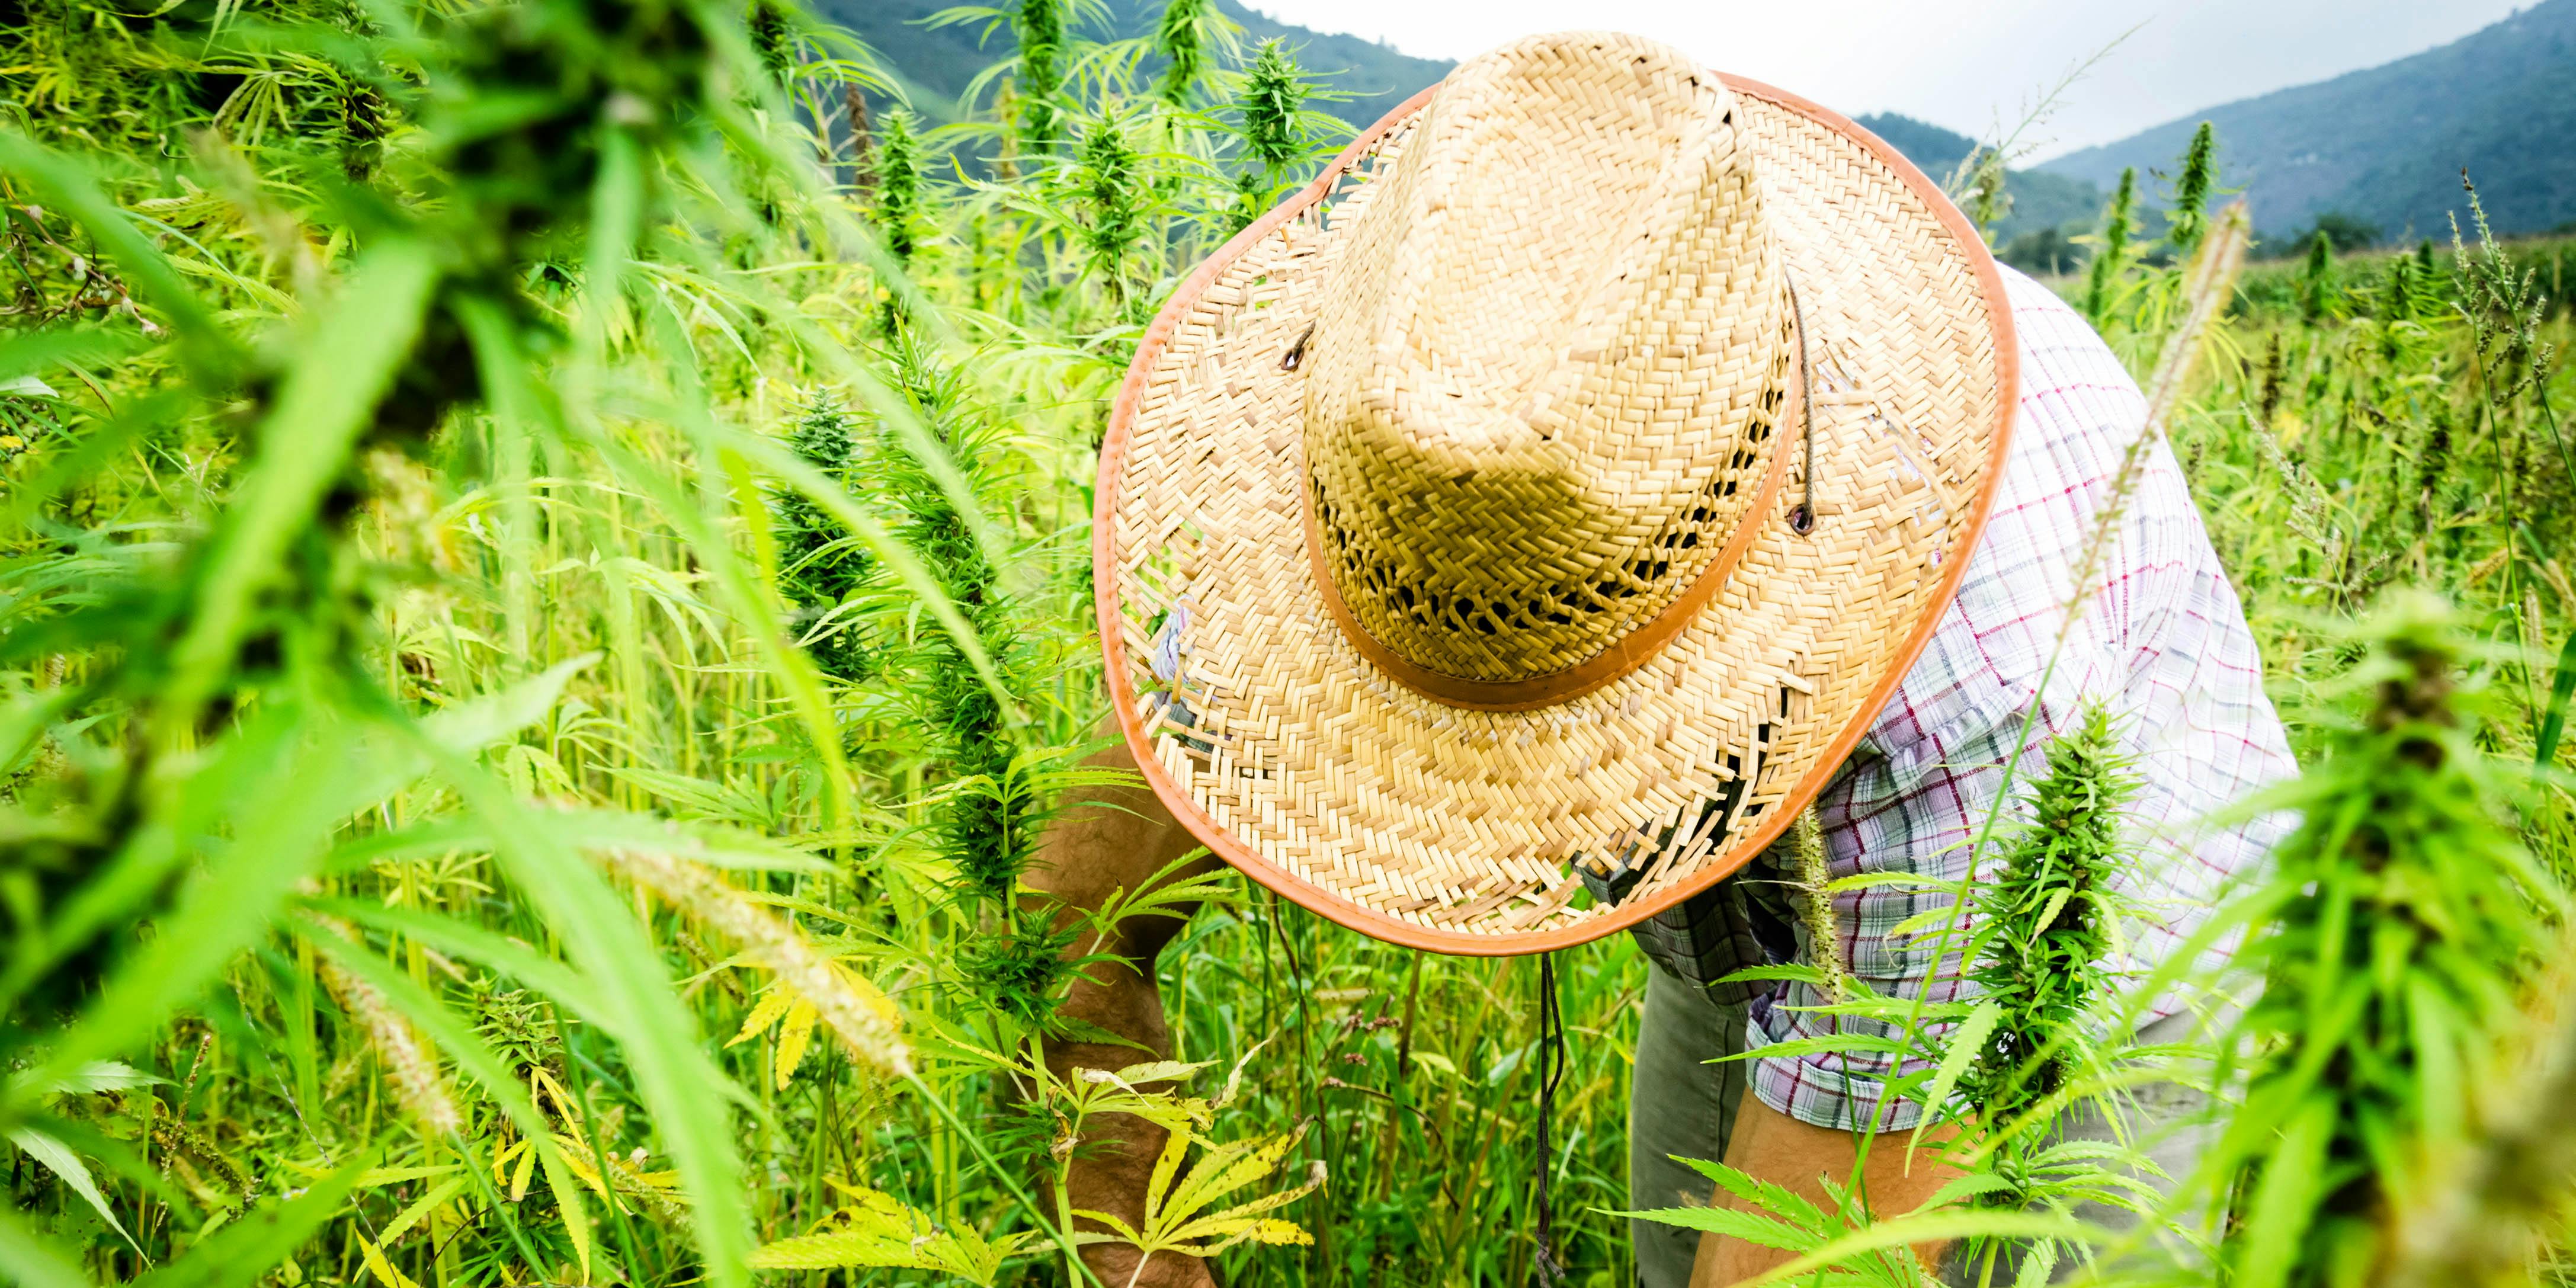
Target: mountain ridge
935,66
2040,200
2382,146
2386,144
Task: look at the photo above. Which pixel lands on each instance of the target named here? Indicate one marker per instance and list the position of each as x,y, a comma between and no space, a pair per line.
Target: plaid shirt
2163,640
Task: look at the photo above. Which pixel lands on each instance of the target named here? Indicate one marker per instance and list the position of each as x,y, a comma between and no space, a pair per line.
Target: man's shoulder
2025,294
2058,346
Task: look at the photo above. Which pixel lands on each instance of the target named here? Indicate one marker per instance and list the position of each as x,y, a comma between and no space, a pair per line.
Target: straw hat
1559,484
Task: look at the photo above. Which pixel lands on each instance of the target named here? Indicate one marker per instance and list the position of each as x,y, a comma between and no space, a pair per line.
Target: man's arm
1102,842
1772,1146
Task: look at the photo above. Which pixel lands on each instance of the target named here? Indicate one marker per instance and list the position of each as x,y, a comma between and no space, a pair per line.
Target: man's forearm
1115,1157
1116,840
1771,1146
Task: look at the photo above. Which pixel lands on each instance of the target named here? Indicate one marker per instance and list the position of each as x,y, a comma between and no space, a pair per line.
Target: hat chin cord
1551,1071
1802,520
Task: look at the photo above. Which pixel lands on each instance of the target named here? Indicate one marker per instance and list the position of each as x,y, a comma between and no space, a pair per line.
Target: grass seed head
406,1059
866,1024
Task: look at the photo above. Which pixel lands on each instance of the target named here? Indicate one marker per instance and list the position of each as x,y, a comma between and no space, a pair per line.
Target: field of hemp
544,602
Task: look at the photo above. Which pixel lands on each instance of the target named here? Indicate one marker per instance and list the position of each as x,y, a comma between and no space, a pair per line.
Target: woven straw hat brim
1297,759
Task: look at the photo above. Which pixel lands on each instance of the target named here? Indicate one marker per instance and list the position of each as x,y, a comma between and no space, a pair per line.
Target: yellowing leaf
797,1017
501,1162
878,1230
772,1005
420,1208
1234,1076
793,1038
1159,1071
543,1087
1176,1144
1176,1218
382,1269
1237,1223
1275,1231
1231,1167
519,1179
1099,1091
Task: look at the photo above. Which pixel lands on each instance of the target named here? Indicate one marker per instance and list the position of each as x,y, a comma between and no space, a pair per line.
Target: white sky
1963,63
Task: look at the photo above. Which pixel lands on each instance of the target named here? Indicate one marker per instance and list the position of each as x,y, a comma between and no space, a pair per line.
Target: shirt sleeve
2005,670
1913,804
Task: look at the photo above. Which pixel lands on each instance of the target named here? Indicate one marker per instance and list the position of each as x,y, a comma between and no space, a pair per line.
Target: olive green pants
1679,1104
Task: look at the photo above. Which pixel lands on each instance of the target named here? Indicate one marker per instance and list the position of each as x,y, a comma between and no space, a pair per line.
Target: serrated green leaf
1769,1232
419,1209
56,1157
1966,1043
242,1252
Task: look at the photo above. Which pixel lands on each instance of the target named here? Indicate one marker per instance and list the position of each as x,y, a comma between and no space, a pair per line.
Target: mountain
2040,200
936,66
2381,147
2385,146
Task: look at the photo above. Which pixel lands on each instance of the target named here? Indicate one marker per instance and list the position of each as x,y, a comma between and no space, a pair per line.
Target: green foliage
902,200
978,829
1996,1074
773,37
2048,923
2187,210
1842,1242
1106,178
2401,295
2403,918
2317,287
1182,38
1039,26
1989,201
1273,95
2505,307
497,597
818,567
2111,250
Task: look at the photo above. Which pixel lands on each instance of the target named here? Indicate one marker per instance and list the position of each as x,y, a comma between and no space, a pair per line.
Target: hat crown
1546,373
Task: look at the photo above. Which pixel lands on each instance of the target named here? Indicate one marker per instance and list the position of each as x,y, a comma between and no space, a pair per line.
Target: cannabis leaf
876,1229
795,1017
1176,1216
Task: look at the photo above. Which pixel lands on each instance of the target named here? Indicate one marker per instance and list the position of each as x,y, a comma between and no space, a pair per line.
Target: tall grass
546,593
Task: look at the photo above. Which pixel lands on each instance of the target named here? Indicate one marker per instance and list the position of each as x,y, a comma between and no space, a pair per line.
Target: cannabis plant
2187,210
1270,118
504,511
819,565
1107,180
1183,36
899,185
2392,936
2318,293
2048,924
2111,250
1039,26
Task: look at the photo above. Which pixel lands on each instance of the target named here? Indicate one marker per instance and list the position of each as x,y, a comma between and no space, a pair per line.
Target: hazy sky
1963,63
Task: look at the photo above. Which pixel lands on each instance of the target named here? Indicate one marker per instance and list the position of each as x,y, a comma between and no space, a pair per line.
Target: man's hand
1772,1146
1107,842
